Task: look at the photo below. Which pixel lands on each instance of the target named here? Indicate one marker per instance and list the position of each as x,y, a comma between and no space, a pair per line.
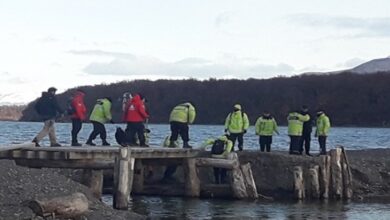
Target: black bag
70,110
120,136
218,147
39,106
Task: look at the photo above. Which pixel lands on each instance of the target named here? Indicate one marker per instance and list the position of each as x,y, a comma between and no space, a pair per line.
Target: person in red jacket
135,116
78,116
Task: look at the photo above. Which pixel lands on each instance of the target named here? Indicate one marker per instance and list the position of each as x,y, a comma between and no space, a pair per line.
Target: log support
299,186
123,178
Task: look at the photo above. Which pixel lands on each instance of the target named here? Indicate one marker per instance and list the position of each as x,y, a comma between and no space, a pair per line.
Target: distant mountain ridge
373,66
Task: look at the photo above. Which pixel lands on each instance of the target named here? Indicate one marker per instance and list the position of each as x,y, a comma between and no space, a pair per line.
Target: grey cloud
371,27
118,55
190,67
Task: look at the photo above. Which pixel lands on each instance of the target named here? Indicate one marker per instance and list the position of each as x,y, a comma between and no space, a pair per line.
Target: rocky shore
19,184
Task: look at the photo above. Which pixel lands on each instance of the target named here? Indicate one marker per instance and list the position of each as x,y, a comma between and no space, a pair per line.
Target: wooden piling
123,178
314,191
299,186
336,173
94,180
325,176
237,181
249,181
192,182
138,180
347,176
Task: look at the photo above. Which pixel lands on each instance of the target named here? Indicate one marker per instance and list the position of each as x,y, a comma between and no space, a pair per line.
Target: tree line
349,99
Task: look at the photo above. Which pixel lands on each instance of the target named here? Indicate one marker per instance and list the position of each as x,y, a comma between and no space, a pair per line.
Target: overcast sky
66,43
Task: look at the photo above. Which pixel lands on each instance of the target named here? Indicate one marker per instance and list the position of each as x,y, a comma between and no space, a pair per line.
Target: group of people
135,115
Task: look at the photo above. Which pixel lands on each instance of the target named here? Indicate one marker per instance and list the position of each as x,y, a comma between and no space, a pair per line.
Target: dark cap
52,89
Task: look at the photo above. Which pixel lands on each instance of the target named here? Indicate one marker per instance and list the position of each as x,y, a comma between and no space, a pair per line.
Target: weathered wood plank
325,176
138,180
123,177
219,163
336,173
192,182
314,188
347,176
299,186
249,181
67,164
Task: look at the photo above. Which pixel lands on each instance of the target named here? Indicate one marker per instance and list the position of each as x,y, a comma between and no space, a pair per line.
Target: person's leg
223,173
184,135
233,138
131,131
103,134
322,142
268,143
76,127
140,129
95,132
301,143
43,132
174,132
262,143
307,144
52,135
217,175
240,138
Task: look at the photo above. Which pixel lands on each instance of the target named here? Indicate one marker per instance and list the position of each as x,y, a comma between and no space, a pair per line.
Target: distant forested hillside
11,112
349,99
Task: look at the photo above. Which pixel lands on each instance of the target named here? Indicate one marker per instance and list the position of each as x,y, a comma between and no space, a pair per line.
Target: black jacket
307,125
47,106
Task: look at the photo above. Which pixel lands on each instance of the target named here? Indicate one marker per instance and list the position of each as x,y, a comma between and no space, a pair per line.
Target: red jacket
79,106
135,110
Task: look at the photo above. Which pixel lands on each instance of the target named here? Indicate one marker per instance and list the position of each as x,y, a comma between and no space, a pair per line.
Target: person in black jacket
47,107
306,132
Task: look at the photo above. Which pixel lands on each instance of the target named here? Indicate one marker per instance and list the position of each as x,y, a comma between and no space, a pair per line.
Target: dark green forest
348,99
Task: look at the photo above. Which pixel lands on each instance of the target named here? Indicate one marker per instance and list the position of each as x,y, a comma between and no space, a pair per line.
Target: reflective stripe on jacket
184,113
236,122
101,111
295,123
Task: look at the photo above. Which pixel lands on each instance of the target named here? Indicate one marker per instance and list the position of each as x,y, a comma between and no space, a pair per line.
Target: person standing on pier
295,127
322,130
236,124
265,127
78,115
47,107
135,117
101,114
181,116
306,132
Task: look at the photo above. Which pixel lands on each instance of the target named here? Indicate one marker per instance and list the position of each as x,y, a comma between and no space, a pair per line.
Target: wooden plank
66,164
249,181
324,175
219,163
299,186
347,176
336,173
314,188
192,182
123,179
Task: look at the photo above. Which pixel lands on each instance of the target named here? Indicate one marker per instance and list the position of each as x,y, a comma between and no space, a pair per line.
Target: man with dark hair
306,132
47,107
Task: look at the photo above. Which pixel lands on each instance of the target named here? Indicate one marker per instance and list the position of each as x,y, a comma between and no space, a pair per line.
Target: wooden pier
129,164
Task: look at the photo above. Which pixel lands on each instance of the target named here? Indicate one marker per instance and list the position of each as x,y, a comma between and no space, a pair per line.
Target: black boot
186,145
35,141
105,143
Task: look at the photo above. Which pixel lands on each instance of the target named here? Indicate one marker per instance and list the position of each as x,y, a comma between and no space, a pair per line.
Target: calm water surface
182,208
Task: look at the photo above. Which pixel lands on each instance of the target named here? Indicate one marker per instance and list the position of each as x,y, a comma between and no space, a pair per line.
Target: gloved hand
244,131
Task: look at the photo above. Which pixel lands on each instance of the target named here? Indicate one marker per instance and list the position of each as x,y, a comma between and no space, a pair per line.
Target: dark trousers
135,128
265,143
76,127
220,175
179,128
239,137
170,171
294,144
98,129
305,141
322,142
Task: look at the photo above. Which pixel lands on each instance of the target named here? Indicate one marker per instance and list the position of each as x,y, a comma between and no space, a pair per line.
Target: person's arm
304,117
275,126
107,110
246,122
228,148
142,111
326,126
227,121
257,126
191,114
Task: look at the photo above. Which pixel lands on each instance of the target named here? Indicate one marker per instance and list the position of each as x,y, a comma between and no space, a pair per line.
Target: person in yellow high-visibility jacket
322,130
295,128
236,125
265,127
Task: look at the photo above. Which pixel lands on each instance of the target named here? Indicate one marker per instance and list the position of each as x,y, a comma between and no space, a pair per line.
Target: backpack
218,147
39,106
70,110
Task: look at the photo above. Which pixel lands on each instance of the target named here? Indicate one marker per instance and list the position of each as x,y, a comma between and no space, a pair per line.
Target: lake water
183,208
